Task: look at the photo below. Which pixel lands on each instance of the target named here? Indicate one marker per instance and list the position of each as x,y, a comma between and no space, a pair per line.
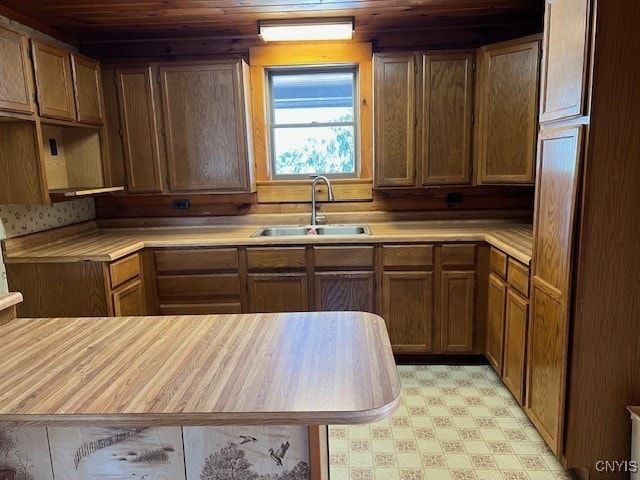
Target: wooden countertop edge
130,420
119,252
8,300
635,412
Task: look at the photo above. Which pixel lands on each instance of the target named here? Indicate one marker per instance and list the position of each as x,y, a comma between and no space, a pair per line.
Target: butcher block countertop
8,300
88,242
285,368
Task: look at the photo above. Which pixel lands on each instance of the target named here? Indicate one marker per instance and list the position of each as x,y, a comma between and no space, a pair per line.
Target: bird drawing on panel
247,439
278,455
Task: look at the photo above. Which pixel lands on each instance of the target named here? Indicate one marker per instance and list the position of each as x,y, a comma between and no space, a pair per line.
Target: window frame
272,126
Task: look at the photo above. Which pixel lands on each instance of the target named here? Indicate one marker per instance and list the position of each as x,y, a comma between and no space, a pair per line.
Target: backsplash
16,220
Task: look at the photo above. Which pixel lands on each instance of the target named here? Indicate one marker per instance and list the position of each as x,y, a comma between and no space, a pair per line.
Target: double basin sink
298,230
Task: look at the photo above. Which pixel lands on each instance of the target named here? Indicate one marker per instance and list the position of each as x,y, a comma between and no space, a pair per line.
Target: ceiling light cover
307,30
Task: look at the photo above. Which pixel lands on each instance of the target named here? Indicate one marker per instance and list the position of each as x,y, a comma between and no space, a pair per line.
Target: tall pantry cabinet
583,366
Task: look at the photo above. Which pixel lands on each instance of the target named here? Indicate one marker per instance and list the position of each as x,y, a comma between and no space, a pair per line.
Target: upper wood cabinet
15,73
139,130
395,119
444,142
565,61
205,112
507,106
54,82
423,116
87,86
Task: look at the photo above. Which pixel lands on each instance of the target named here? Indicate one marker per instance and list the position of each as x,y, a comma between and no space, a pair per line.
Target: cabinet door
129,300
495,321
507,112
139,132
444,144
556,196
407,308
515,341
87,85
395,120
15,73
54,82
456,313
285,292
205,127
565,59
344,291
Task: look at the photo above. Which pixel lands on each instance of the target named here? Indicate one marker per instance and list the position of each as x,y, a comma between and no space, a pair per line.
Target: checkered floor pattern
454,423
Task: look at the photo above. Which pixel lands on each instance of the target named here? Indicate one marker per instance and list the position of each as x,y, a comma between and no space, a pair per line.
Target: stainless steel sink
296,230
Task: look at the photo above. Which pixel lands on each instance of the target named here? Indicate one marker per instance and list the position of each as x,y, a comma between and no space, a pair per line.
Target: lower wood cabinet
407,307
497,295
457,310
129,300
284,292
507,321
515,341
344,291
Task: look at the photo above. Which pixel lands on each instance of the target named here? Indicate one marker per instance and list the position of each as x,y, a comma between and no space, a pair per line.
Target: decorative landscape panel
247,453
24,454
117,454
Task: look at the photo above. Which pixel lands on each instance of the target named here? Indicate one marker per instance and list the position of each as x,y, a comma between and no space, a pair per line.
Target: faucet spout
316,179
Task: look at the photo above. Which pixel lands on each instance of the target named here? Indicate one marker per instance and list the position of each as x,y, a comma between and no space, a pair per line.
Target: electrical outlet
53,146
181,204
454,197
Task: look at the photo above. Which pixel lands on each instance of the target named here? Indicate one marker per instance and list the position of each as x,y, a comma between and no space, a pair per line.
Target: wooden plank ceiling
232,24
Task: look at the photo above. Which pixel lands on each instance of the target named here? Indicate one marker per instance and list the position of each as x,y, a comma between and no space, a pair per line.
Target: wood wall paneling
205,127
139,130
15,73
507,112
394,119
54,81
565,61
444,143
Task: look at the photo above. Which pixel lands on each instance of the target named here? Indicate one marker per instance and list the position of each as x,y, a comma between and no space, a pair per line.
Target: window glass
313,122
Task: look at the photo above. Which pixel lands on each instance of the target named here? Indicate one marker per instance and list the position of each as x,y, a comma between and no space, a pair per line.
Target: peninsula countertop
108,244
284,368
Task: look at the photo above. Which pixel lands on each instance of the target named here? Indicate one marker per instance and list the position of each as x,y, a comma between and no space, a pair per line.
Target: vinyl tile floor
454,423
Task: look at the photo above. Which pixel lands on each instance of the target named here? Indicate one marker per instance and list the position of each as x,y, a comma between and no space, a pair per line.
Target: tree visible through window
313,122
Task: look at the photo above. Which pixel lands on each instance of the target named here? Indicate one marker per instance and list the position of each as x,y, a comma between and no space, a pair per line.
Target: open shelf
62,194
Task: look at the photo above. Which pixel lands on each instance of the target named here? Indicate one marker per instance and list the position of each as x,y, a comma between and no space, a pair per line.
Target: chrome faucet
316,178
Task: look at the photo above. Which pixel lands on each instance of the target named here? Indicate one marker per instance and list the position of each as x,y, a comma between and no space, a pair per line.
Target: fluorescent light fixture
306,29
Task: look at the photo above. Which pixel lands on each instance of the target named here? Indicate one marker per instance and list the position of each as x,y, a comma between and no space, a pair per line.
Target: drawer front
266,258
343,257
395,256
498,263
203,286
518,276
196,260
200,308
124,269
458,255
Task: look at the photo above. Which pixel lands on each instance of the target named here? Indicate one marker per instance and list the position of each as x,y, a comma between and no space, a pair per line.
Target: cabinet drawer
458,255
518,276
498,263
341,257
188,286
200,308
407,256
124,269
265,258
196,260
